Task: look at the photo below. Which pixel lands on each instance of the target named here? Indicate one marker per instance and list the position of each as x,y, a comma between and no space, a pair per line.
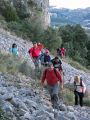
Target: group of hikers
53,72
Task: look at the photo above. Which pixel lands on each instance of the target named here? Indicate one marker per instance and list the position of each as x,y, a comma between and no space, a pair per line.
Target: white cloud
72,4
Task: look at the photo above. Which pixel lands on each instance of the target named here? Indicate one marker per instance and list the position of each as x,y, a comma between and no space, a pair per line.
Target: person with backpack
45,58
52,76
79,90
57,64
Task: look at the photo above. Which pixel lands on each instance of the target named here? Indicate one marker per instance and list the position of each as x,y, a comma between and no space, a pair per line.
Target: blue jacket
47,58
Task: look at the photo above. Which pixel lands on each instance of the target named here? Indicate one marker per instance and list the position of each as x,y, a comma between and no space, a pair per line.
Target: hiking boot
54,100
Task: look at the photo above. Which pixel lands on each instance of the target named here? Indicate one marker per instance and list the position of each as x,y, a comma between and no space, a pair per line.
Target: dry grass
13,64
76,65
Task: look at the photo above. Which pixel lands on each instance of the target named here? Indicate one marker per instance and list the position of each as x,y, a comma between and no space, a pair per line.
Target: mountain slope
22,98
64,16
6,41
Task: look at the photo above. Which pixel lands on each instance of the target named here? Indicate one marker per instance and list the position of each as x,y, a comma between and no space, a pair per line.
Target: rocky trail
21,100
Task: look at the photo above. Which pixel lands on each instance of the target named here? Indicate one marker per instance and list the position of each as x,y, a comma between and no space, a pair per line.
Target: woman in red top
35,53
62,52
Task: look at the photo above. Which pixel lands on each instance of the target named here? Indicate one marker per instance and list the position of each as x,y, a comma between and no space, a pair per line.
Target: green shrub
74,39
26,29
76,64
51,39
13,64
87,101
1,18
25,69
9,63
68,97
10,13
3,116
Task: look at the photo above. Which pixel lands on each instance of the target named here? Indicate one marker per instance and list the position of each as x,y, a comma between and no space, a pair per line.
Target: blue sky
72,4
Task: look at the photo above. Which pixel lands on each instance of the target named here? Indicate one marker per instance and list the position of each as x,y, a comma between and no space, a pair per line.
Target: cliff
36,10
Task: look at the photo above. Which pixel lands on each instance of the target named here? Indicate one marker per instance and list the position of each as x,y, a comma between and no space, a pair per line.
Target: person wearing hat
47,57
79,90
52,77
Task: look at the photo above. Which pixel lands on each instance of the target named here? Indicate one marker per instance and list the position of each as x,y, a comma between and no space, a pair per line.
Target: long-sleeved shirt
47,58
51,77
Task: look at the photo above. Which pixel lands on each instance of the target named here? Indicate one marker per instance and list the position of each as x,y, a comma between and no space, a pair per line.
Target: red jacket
62,50
34,52
51,77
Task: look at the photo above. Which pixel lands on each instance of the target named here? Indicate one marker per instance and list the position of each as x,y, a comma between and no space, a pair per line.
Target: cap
47,51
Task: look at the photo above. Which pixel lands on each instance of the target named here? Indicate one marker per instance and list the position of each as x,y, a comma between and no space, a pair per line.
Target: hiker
79,90
14,50
62,52
58,51
40,46
45,58
52,76
34,52
57,64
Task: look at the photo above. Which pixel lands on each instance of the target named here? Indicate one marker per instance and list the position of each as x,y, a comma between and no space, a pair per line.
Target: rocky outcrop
30,9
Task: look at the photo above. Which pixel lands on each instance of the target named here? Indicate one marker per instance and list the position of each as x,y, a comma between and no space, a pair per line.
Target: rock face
31,9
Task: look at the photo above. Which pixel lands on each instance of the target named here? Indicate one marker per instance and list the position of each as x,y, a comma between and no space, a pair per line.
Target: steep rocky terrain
6,40
23,101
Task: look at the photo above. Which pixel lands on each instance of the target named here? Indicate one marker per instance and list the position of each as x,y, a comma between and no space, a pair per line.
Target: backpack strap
54,72
81,82
75,86
45,72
